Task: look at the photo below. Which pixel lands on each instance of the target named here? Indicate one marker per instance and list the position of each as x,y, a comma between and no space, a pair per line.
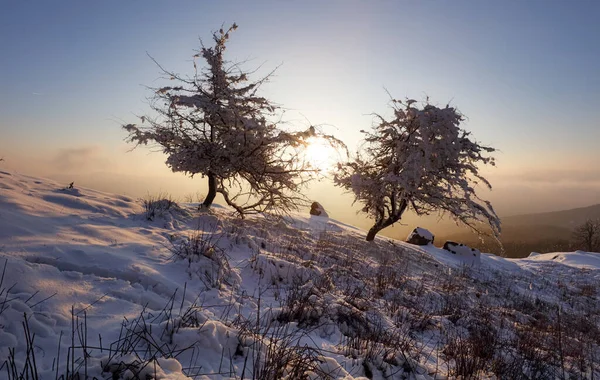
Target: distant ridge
541,232
564,218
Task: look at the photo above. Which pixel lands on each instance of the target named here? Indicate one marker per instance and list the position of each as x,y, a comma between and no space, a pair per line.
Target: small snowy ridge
210,296
577,259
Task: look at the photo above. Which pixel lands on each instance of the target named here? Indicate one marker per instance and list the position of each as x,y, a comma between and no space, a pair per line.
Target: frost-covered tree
421,160
587,235
215,124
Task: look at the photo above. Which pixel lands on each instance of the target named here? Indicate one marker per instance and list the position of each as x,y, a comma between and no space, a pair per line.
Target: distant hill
565,218
523,234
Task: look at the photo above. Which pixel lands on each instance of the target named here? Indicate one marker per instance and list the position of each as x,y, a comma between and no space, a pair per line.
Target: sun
319,154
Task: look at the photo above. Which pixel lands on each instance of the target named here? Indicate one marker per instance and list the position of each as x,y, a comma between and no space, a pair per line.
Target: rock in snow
467,254
420,236
318,210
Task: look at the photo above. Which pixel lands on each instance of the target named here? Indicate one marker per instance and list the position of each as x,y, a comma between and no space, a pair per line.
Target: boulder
449,244
467,254
420,236
318,210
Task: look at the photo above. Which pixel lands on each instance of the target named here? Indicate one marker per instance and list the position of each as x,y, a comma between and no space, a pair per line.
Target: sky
525,74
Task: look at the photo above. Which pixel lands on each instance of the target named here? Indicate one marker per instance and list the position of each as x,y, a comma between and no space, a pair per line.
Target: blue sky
525,73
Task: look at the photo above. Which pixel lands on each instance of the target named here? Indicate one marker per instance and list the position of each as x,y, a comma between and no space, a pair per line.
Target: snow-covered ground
89,285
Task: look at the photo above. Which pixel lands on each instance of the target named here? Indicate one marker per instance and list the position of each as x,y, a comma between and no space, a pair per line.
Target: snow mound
468,255
577,259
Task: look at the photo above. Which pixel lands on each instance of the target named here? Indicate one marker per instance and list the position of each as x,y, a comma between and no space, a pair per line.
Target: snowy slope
578,259
107,292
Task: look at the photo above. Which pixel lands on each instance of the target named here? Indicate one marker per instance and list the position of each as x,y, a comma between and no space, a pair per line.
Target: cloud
74,159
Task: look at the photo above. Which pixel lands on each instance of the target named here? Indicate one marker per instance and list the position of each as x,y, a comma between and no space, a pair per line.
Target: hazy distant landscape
523,234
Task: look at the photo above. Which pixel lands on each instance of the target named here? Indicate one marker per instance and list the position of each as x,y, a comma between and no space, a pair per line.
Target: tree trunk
372,232
381,224
212,190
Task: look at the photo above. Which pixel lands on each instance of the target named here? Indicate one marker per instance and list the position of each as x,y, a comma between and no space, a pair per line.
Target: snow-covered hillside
90,286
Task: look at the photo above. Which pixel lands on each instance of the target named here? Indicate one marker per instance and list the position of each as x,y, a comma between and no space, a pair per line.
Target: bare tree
422,160
215,124
587,235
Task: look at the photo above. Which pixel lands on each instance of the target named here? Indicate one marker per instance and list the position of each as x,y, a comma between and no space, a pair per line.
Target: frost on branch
215,124
422,160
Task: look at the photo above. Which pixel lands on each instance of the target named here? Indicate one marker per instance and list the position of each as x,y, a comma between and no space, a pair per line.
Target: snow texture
208,296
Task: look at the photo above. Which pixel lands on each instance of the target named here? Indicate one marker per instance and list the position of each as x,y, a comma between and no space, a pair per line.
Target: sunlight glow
319,154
